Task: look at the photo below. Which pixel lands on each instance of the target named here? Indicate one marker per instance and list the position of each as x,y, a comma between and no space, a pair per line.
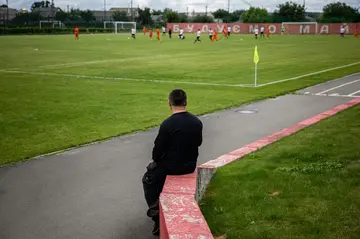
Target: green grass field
304,186
57,92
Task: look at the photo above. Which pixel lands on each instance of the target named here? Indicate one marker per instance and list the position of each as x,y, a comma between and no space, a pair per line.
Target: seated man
175,151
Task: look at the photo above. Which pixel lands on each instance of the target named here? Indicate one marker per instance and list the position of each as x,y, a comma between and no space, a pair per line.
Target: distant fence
275,28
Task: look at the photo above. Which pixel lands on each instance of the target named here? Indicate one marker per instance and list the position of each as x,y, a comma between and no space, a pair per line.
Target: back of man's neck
176,111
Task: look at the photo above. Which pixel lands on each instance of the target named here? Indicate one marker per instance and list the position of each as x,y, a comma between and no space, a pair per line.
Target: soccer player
198,36
342,31
211,33
282,30
256,32
150,34
356,33
170,31
133,32
214,37
262,31
158,34
229,30
144,30
164,31
181,34
225,32
76,32
268,32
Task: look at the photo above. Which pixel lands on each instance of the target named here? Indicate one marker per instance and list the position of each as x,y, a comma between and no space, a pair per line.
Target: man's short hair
178,97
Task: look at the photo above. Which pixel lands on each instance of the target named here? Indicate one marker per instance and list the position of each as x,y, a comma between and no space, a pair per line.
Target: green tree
172,16
36,5
27,18
3,6
156,12
120,16
205,19
235,15
290,11
74,15
221,14
340,12
256,15
144,17
87,15
40,4
61,16
183,18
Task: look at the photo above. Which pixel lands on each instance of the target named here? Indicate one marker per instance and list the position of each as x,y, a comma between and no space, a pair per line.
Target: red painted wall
275,28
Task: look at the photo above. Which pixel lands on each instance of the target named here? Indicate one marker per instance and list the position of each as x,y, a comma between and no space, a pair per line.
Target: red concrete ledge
180,215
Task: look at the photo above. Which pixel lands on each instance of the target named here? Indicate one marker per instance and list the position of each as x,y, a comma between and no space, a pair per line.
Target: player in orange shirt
225,32
158,34
356,33
150,33
214,37
76,32
268,32
144,30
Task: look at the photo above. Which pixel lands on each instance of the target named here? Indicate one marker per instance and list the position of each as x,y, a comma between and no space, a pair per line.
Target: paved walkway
95,192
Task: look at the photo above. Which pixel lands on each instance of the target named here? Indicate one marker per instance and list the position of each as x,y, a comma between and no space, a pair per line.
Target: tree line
285,12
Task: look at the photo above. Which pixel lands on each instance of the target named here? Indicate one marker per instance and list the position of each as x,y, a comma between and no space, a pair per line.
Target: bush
37,30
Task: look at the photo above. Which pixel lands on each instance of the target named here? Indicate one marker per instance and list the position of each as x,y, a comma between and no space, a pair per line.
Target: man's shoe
156,230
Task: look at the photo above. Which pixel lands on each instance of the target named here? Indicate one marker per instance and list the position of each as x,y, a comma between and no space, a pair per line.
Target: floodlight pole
7,12
104,10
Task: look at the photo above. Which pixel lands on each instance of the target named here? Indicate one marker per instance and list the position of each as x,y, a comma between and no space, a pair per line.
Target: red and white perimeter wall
275,28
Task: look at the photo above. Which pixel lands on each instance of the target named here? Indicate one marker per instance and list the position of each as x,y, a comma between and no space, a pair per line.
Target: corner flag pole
255,74
256,61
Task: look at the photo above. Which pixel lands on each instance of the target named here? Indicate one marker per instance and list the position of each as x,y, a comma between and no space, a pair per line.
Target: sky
179,5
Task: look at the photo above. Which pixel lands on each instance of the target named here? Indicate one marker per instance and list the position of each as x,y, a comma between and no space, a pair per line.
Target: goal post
300,27
50,23
120,26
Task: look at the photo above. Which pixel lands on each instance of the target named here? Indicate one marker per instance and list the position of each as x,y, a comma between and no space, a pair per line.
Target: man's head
177,100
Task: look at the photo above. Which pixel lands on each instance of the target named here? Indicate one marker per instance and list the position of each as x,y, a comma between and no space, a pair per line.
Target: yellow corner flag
256,55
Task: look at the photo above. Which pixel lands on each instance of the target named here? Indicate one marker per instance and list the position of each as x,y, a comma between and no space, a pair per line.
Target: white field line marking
354,93
310,74
337,95
61,65
339,86
127,79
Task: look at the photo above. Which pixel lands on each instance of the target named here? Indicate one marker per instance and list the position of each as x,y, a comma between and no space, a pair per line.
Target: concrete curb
180,215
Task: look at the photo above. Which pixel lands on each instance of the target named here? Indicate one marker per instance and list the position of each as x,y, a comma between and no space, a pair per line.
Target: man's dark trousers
153,183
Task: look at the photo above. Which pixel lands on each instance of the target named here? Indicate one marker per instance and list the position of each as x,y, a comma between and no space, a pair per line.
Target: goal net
300,27
51,24
120,26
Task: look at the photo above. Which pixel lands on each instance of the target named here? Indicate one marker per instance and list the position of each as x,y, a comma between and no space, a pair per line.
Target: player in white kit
229,31
181,34
342,31
262,32
164,31
133,32
211,33
198,36
256,32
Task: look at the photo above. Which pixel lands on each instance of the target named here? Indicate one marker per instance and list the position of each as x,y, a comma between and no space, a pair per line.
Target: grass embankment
304,186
